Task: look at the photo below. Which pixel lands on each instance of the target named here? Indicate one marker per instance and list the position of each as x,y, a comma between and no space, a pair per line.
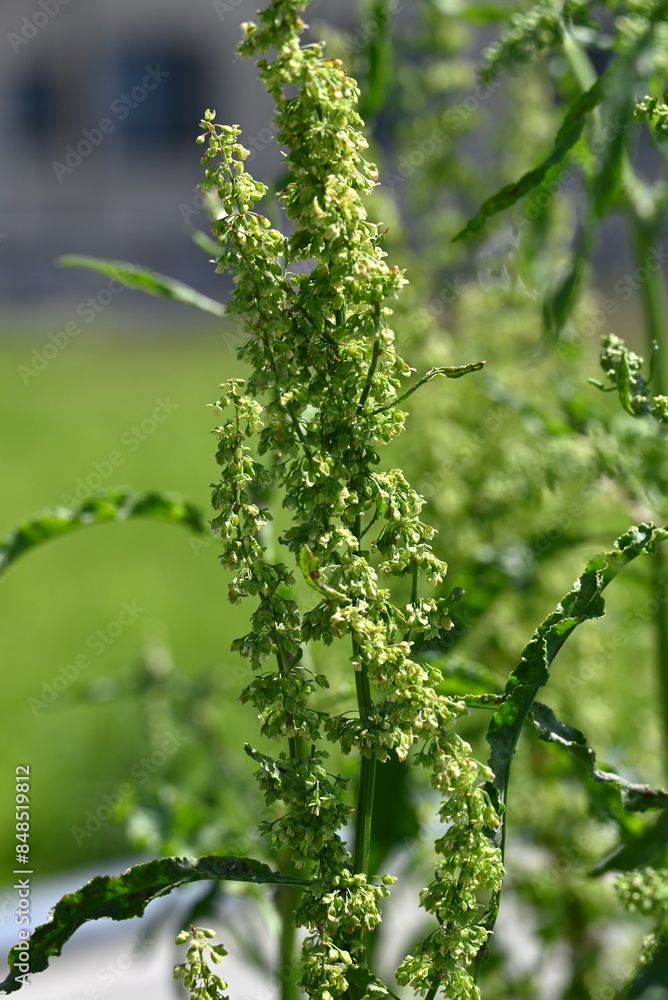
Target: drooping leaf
395,820
121,897
567,136
637,848
583,602
203,241
462,678
609,175
634,797
144,280
119,505
558,306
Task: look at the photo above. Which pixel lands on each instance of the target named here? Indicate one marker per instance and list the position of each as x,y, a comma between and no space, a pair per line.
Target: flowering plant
322,398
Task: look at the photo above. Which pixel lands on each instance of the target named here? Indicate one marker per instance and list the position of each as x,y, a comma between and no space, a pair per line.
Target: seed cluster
321,399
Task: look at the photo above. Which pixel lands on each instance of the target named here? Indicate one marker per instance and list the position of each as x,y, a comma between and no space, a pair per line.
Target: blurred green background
81,408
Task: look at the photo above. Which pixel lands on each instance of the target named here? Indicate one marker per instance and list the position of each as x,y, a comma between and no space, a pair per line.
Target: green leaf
583,602
634,797
624,384
145,280
310,567
377,54
120,505
121,897
567,136
558,306
638,848
203,241
607,185
395,817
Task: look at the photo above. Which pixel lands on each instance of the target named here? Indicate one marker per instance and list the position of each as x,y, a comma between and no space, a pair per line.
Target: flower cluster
656,113
196,973
646,891
321,398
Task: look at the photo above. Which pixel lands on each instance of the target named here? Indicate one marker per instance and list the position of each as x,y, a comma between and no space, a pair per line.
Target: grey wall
92,160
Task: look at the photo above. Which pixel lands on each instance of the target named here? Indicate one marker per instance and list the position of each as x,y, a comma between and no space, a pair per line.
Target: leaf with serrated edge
124,896
636,797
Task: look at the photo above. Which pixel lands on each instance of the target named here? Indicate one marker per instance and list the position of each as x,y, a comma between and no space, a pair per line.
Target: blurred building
100,102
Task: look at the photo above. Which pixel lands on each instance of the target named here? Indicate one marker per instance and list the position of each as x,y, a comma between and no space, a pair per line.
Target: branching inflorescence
321,399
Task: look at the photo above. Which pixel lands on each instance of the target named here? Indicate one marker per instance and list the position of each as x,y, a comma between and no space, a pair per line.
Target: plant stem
286,903
364,814
365,794
370,374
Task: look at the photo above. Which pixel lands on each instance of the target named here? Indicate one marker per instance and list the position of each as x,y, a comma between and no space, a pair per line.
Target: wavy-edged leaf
637,848
583,602
120,505
144,280
567,136
121,897
634,797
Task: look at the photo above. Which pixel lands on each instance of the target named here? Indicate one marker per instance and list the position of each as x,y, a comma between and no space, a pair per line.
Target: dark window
163,112
33,105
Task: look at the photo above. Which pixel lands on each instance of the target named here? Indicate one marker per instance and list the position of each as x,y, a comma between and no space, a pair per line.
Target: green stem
292,740
367,782
433,990
287,973
369,376
364,814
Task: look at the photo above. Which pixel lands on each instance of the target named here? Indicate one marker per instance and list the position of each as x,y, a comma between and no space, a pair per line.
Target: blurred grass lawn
76,412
